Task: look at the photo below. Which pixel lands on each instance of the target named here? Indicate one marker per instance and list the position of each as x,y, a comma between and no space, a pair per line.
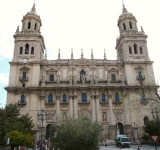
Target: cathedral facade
107,91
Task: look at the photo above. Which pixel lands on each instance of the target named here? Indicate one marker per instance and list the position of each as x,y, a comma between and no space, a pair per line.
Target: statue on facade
108,79
17,31
58,78
70,79
96,79
44,76
75,80
83,78
104,116
122,79
91,80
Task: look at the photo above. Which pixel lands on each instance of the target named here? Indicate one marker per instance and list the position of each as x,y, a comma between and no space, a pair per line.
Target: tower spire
104,54
71,53
92,57
59,56
124,8
33,8
81,53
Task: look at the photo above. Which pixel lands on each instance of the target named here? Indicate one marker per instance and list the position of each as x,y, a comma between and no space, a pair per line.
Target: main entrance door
120,126
48,133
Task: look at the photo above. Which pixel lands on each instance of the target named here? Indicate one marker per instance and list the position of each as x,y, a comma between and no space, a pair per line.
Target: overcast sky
77,24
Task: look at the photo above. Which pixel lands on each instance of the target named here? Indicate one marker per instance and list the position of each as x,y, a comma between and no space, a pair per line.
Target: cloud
4,78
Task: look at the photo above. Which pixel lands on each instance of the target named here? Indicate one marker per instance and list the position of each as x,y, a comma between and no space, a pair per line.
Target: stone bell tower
132,44
29,43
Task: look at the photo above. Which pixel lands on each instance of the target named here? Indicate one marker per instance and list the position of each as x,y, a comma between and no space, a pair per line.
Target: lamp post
42,117
157,117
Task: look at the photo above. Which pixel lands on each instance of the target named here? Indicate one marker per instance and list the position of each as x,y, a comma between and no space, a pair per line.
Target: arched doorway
120,127
48,133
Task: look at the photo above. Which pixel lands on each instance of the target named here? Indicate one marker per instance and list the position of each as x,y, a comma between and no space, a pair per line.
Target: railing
23,78
87,101
106,101
21,102
142,77
62,102
50,103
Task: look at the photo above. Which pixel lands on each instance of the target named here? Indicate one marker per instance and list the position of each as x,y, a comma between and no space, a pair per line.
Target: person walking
138,148
141,147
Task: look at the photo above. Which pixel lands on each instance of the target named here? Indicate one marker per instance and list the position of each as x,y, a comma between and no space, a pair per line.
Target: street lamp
156,112
42,117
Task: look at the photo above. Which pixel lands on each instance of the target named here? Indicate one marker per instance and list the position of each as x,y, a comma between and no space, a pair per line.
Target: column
70,107
57,105
110,107
97,108
75,106
110,111
93,109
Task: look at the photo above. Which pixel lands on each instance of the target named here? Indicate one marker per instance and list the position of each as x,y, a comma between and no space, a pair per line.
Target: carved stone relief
118,113
85,113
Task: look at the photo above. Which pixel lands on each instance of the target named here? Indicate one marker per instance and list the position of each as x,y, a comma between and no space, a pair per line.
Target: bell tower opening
29,25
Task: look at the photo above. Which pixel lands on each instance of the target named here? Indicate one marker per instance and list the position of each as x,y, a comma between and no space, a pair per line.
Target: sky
77,24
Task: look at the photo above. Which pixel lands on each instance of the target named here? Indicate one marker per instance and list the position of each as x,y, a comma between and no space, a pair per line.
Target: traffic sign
155,138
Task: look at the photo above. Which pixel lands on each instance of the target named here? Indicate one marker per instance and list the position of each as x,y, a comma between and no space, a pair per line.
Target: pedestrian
120,144
138,148
141,147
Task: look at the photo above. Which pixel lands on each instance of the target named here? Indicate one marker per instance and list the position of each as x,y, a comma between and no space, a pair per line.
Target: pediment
139,68
113,70
83,61
24,68
51,70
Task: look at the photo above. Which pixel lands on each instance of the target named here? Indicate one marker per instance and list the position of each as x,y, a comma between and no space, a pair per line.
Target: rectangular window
51,77
24,75
139,74
113,77
143,97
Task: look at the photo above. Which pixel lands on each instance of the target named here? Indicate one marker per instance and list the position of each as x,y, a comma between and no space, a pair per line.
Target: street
133,147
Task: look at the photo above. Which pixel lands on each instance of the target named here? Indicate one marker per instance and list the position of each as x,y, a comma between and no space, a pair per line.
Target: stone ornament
50,117
118,113
85,113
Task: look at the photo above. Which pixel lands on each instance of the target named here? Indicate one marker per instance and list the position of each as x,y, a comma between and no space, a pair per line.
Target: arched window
130,50
29,25
103,98
21,50
84,98
130,24
22,99
145,120
50,98
27,48
141,51
124,26
32,50
35,26
64,98
143,97
116,97
135,48
82,73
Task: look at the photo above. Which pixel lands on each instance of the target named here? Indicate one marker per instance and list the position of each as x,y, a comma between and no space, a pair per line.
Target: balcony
103,102
23,78
142,77
80,101
50,103
21,102
62,102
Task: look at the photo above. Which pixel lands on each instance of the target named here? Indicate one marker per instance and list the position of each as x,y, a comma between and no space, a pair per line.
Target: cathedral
107,91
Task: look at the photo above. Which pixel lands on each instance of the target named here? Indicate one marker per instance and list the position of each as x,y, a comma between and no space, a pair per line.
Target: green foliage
75,134
15,138
26,124
145,137
151,127
27,140
10,120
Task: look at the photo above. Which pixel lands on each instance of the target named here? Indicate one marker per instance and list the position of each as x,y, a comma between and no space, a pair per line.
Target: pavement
132,147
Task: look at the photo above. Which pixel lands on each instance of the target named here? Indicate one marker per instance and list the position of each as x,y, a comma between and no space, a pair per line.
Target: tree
151,128
25,124
15,139
145,137
79,134
11,120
